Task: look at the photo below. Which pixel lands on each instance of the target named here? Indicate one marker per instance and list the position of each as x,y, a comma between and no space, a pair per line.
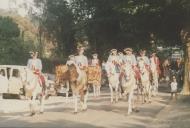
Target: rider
35,64
131,59
121,58
80,59
95,60
154,59
71,59
145,59
114,59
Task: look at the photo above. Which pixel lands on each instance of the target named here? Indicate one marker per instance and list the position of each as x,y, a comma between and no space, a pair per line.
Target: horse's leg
94,90
157,84
120,91
135,102
111,92
99,89
32,105
76,103
42,103
116,92
143,94
130,102
85,100
67,91
149,93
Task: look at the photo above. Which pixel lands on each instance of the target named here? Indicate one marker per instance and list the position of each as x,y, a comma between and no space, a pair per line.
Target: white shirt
131,59
95,62
113,58
34,64
145,58
81,60
173,86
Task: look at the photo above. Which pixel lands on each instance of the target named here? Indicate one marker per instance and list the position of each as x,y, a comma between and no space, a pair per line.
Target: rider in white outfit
81,60
34,63
71,59
95,60
114,59
130,57
144,57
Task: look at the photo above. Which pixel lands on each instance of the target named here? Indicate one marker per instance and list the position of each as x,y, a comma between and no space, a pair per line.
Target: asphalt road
100,114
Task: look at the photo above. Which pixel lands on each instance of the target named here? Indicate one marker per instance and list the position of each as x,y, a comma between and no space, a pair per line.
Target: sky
15,4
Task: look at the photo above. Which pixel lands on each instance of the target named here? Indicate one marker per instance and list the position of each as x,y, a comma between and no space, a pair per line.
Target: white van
10,79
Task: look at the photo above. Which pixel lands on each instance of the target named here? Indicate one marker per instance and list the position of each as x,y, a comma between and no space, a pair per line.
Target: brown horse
78,83
62,79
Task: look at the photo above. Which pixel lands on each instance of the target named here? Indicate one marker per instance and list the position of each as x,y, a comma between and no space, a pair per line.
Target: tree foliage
114,23
13,50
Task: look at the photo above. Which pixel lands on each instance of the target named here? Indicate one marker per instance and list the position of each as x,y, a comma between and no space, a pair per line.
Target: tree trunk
185,36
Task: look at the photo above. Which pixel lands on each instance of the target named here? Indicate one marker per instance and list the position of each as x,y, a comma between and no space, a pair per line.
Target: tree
13,50
56,22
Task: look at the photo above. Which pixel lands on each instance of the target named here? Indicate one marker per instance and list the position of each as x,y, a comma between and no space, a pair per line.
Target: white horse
145,81
155,76
128,83
33,90
113,79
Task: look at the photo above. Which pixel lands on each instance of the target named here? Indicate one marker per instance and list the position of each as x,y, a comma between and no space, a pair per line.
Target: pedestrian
173,86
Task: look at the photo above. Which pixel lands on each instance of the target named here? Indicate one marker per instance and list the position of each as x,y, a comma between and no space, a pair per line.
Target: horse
155,76
78,83
62,79
94,78
128,83
113,80
145,81
33,90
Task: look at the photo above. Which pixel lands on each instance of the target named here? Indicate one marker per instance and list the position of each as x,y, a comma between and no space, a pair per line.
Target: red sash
40,77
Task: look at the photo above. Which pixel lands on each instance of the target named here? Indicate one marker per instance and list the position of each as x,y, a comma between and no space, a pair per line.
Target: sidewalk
175,115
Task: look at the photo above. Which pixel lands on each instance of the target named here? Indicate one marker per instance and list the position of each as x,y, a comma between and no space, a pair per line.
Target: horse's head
128,71
28,76
73,74
141,65
110,68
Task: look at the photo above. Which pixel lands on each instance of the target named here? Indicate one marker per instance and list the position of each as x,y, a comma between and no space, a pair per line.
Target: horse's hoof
41,112
32,114
75,113
150,102
47,97
135,110
84,110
